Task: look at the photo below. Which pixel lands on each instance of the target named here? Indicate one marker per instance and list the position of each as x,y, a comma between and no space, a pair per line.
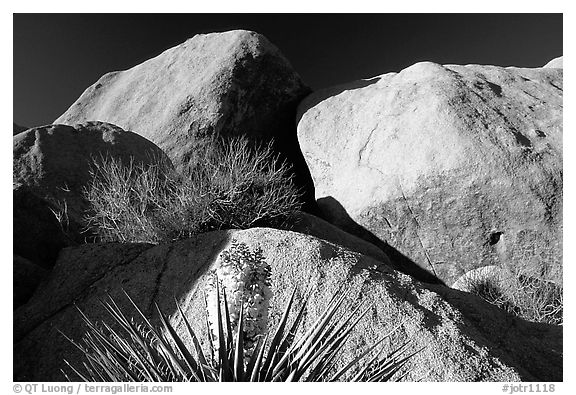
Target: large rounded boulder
455,167
219,84
461,338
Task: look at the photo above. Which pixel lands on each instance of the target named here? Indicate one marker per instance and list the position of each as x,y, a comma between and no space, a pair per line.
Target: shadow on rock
317,97
333,212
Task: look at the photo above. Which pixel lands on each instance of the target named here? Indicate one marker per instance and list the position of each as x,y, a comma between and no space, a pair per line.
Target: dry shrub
233,185
528,294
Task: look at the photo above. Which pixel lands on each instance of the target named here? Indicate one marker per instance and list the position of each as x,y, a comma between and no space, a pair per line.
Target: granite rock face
219,84
455,167
213,85
463,338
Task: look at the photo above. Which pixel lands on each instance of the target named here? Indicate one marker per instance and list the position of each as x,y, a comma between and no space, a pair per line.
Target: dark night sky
57,56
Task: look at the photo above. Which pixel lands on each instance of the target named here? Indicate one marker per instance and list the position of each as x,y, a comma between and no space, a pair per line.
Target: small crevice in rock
494,238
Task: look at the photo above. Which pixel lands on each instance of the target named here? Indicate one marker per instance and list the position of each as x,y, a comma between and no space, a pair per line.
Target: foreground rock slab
462,338
456,167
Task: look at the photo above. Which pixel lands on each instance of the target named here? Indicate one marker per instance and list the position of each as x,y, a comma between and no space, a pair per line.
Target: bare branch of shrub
522,292
235,185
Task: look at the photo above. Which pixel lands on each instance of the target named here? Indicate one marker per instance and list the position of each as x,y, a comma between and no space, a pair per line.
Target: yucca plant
142,352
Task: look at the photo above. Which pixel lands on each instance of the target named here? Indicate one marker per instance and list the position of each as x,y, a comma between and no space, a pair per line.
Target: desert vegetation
233,184
139,351
529,294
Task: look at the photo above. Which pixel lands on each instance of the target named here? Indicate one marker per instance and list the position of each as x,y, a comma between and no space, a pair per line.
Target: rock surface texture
54,161
456,167
463,338
226,84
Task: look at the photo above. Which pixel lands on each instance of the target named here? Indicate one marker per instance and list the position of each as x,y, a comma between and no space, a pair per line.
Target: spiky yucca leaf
142,352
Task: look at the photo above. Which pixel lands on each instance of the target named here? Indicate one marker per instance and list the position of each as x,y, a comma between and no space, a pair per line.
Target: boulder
219,84
37,234
462,338
54,161
26,277
455,167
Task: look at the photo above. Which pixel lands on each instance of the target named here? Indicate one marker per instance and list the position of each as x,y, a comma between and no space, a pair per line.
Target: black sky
57,56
